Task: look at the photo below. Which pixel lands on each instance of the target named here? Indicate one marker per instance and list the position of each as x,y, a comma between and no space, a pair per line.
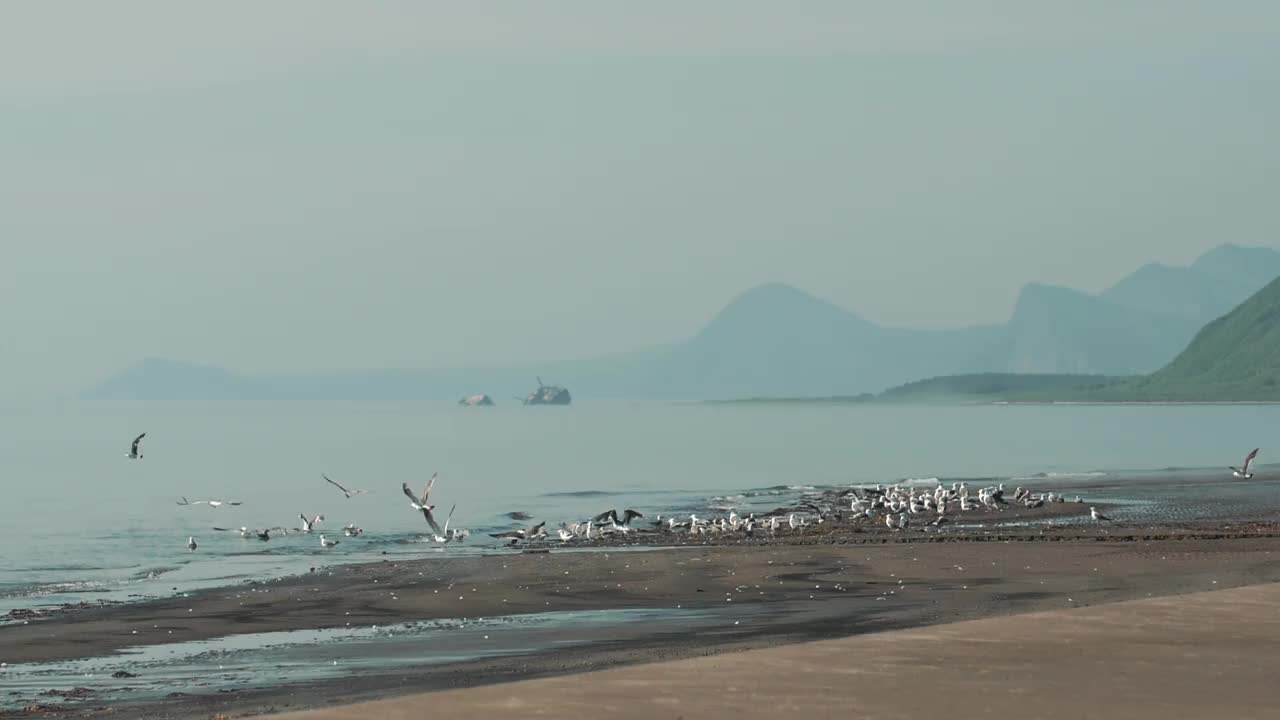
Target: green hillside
1236,357
995,387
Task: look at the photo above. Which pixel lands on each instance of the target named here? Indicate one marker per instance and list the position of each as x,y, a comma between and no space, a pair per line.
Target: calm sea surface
82,522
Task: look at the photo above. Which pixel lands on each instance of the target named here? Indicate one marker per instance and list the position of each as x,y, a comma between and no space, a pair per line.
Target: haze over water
85,523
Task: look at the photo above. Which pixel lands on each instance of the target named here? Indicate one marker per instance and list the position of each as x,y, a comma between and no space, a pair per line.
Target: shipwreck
547,395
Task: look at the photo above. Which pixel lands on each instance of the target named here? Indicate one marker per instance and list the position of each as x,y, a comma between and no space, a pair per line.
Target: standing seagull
1244,471
1093,513
421,503
191,543
327,543
135,450
345,491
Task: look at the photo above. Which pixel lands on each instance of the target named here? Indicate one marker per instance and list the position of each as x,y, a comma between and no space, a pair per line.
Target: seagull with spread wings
423,504
344,490
135,450
445,537
210,503
309,525
1243,472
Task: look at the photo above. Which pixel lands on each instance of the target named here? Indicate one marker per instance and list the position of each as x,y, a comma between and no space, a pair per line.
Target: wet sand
1193,656
795,592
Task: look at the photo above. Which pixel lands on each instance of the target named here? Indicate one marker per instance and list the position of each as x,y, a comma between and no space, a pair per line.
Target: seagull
309,525
345,491
517,535
327,543
263,535
351,530
627,516
421,503
135,450
445,537
1093,513
1244,471
191,544
210,503
513,535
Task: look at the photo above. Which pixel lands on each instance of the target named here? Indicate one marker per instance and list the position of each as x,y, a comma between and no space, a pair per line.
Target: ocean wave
61,588
578,493
1061,475
153,573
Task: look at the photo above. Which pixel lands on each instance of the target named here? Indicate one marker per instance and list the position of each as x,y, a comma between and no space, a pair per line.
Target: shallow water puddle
278,658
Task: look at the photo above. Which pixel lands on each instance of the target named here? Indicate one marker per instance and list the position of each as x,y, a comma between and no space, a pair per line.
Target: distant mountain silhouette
776,340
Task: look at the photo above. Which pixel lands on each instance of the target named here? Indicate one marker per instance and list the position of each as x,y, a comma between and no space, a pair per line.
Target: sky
311,185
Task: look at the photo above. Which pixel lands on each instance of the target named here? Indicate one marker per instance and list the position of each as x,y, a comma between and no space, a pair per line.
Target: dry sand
1196,656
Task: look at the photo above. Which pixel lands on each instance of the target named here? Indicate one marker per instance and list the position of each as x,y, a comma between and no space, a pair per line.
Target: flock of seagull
419,502
900,506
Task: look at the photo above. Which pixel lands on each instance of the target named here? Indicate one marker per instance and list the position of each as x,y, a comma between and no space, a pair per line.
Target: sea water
83,523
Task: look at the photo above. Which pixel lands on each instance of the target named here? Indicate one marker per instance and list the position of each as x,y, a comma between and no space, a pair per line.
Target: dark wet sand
804,592
1195,656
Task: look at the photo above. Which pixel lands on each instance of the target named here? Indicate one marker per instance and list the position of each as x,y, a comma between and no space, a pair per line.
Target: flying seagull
1244,471
263,535
345,491
421,503
445,537
309,525
210,503
1093,513
135,450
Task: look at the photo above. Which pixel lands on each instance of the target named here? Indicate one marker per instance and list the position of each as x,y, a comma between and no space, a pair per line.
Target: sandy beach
751,597
1191,656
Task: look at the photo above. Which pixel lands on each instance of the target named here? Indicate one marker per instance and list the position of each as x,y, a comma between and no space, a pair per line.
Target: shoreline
782,593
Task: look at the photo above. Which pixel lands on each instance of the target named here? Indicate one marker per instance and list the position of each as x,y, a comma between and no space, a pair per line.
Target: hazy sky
329,185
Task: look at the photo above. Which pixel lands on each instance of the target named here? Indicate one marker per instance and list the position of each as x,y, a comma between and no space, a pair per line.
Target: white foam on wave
919,481
1060,476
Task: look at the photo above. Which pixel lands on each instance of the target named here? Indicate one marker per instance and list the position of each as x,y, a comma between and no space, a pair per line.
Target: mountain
1134,326
776,340
1235,357
1216,282
160,379
1059,330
